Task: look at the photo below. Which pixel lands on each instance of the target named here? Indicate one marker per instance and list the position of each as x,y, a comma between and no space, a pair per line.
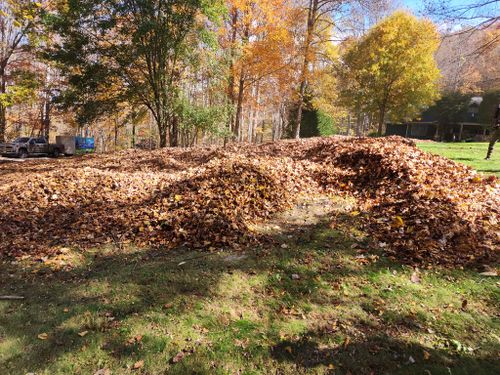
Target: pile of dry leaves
427,209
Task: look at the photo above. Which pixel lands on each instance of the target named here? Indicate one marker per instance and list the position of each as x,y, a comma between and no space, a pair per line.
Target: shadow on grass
489,170
380,354
464,159
100,297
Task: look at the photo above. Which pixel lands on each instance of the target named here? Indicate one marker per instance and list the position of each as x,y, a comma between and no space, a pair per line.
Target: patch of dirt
307,212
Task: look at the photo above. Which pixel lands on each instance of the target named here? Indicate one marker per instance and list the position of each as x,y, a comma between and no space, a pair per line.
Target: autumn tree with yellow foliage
391,71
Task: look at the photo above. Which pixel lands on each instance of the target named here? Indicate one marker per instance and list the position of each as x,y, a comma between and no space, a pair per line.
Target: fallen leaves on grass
346,342
181,354
427,209
464,304
178,357
135,340
415,278
138,365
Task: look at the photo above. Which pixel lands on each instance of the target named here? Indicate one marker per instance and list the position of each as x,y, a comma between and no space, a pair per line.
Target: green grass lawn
322,299
471,154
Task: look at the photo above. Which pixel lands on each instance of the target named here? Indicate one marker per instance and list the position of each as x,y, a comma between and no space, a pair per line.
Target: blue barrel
86,144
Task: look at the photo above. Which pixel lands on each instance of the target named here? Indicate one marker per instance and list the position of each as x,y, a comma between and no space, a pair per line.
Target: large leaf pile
427,209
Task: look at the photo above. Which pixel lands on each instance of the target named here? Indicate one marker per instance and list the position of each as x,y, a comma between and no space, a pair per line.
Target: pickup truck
29,146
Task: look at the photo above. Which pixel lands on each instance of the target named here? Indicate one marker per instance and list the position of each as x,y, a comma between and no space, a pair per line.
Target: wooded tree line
203,72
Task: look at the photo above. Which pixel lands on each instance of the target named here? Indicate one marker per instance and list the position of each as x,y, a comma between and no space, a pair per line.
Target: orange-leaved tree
259,40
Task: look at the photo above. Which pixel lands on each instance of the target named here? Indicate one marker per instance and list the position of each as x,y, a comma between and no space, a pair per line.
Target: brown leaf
138,364
415,278
178,357
346,343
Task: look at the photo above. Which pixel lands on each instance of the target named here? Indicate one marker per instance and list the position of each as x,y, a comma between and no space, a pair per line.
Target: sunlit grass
472,154
314,306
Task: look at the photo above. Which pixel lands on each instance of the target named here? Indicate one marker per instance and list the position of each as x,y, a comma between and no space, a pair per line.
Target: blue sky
472,17
419,5
415,5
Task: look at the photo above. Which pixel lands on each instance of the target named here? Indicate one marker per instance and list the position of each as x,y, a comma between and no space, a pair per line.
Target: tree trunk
381,119
46,118
231,80
116,134
311,23
255,115
174,132
133,135
3,122
300,106
3,109
359,123
163,131
369,125
284,121
239,107
241,89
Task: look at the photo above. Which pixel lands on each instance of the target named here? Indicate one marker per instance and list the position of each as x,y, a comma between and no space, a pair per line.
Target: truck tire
23,153
56,153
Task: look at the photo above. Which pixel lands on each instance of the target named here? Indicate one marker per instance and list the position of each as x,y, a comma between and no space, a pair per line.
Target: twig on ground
10,298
